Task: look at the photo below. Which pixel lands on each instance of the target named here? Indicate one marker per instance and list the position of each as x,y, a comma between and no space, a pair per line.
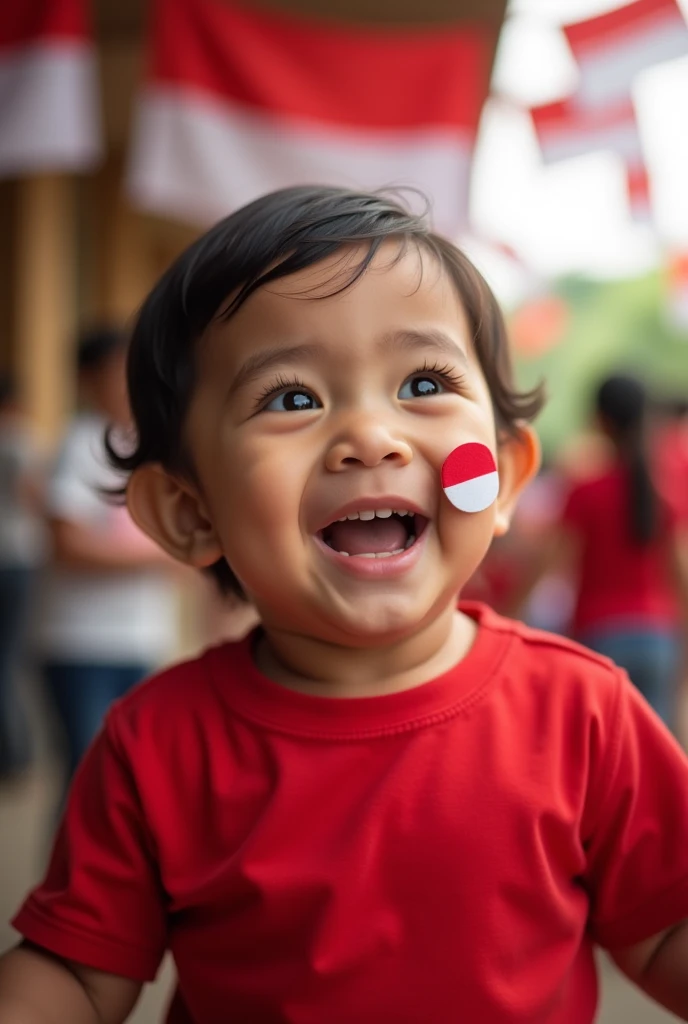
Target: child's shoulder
533,641
189,691
536,656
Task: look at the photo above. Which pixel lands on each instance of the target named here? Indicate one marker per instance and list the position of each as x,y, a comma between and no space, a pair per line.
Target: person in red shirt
379,806
626,544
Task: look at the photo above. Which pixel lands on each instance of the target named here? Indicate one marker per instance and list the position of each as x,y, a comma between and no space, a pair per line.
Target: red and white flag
469,477
49,117
565,130
612,48
238,102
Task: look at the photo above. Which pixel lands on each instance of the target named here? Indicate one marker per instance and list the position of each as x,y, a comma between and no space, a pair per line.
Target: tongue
362,536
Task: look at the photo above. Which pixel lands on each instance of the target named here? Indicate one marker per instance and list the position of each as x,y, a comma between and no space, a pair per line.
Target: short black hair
270,238
96,345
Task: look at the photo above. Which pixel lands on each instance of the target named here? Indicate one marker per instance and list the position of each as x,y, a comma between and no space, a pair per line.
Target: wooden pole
45,301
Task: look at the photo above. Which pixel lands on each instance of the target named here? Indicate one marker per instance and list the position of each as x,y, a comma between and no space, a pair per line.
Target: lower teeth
381,554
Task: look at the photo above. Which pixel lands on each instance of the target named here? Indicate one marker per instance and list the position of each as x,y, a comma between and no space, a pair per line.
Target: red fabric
351,76
31,21
619,579
448,851
671,468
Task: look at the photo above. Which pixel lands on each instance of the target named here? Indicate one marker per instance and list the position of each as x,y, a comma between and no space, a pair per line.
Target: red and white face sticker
469,477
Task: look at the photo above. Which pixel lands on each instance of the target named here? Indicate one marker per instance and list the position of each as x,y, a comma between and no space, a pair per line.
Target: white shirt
127,617
22,537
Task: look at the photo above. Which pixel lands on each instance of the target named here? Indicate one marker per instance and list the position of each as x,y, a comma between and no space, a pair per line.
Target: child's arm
659,966
38,988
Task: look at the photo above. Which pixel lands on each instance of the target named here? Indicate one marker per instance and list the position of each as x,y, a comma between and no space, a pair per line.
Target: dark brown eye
293,401
420,387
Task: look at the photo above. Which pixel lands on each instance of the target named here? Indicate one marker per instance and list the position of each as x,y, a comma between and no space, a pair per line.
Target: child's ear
174,515
518,460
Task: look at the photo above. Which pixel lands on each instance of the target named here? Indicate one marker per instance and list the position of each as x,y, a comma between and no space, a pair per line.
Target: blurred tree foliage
616,325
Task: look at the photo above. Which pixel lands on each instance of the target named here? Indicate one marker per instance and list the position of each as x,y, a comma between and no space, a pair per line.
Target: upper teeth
381,513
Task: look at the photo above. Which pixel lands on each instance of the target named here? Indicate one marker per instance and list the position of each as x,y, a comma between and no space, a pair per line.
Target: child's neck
313,666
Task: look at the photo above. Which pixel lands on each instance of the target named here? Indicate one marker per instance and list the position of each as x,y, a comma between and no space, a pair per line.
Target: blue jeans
15,738
651,656
82,692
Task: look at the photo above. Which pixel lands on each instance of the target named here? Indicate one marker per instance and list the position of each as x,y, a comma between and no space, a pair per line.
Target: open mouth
379,533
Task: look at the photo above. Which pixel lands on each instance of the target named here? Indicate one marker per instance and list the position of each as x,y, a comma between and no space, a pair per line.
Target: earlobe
518,460
172,513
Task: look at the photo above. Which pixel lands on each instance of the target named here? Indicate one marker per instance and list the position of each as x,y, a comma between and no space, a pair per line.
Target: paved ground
25,810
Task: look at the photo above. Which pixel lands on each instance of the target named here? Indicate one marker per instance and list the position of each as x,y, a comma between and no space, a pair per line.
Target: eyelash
282,383
442,370
279,384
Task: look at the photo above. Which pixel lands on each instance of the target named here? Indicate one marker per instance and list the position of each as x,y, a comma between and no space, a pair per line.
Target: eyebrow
395,341
433,338
257,364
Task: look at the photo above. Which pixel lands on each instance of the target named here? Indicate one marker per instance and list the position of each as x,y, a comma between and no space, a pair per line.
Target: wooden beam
128,18
7,272
391,12
45,301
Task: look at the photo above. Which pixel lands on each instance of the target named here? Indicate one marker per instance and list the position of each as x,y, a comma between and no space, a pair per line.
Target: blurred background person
499,580
108,610
671,454
22,550
626,550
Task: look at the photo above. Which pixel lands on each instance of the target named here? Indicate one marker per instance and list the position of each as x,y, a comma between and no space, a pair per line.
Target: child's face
308,409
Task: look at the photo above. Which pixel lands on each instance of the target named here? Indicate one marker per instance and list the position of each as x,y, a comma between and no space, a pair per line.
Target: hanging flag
565,130
612,48
49,119
238,102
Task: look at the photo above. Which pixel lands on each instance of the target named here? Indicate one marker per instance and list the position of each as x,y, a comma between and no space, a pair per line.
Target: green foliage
616,325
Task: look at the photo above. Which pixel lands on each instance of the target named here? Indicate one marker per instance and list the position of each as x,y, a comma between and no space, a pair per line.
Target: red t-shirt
619,580
448,852
670,457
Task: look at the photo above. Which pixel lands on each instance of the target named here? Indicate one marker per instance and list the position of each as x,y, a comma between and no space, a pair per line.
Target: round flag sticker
469,477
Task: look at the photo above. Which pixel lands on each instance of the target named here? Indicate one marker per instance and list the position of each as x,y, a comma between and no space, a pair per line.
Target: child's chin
380,621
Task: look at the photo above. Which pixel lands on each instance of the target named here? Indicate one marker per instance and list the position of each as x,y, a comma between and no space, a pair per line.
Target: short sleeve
637,851
101,902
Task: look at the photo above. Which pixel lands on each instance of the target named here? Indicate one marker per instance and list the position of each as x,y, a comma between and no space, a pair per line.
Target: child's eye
293,401
420,386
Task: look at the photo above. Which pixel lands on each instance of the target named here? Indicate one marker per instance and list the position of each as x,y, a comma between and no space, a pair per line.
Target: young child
379,807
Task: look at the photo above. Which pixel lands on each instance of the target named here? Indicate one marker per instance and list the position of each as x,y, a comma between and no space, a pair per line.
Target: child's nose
367,442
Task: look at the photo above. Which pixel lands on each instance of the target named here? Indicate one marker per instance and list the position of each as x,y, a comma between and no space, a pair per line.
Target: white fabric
90,616
49,119
22,537
607,73
198,159
574,140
